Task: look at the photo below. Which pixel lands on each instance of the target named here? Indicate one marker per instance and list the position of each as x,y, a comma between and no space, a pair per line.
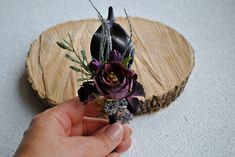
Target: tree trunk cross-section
163,61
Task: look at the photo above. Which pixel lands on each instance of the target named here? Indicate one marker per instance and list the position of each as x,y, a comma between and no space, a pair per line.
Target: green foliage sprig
82,61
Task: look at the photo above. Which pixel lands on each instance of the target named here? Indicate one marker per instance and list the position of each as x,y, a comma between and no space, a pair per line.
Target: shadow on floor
29,97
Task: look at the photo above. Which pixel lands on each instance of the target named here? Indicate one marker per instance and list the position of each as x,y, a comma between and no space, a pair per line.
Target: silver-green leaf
71,58
75,68
63,46
126,61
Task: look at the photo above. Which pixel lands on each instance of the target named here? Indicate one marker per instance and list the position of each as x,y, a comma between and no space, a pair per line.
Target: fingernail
115,131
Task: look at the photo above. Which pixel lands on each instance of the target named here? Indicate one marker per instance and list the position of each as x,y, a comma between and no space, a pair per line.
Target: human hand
64,131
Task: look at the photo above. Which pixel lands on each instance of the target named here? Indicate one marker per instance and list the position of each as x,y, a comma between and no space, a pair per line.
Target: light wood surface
163,61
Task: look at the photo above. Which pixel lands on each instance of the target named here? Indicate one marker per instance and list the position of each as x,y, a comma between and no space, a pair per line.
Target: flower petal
119,94
137,90
94,65
100,86
87,91
115,56
133,105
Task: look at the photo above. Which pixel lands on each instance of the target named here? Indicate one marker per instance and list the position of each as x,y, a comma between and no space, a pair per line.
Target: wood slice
163,61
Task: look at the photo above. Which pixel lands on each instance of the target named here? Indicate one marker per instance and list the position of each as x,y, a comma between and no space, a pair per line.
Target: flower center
112,78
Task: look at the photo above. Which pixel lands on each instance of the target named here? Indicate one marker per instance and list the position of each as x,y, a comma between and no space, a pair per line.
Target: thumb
106,139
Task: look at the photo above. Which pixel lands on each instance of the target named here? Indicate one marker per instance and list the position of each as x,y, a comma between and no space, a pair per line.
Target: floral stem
113,118
131,32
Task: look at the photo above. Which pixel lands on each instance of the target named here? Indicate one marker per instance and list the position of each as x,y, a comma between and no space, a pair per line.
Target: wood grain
163,61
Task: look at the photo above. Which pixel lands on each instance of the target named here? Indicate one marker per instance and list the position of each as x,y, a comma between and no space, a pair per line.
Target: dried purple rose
114,81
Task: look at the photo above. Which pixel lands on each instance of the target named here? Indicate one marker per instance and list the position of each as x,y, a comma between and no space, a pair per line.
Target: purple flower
87,91
94,65
115,56
114,81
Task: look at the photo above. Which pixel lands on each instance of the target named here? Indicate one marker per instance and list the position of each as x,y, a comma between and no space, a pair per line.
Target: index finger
75,109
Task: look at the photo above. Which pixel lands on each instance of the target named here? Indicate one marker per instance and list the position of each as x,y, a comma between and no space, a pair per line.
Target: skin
65,131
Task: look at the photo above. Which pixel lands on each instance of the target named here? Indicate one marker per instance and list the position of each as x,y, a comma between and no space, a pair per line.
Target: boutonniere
108,74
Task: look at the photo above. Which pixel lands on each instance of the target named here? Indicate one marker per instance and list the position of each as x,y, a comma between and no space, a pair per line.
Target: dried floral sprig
130,25
68,45
131,31
118,109
105,37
